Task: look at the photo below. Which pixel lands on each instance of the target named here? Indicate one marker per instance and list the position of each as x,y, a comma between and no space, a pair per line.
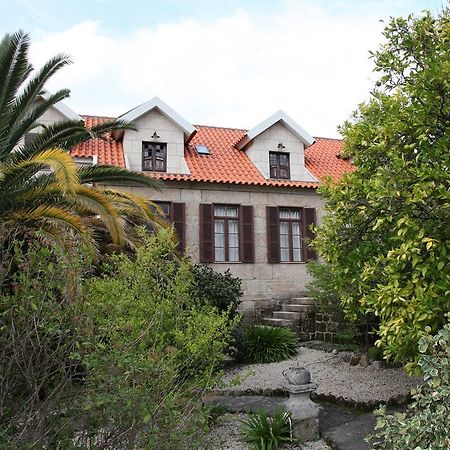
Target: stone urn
297,375
304,412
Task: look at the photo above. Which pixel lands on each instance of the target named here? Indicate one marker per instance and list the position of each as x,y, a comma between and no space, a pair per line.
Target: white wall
258,151
169,133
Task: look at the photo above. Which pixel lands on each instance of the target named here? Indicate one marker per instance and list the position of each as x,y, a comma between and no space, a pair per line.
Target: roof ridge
219,127
329,139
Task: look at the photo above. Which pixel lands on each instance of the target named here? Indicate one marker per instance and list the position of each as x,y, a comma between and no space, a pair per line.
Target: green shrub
156,349
257,344
267,433
425,424
217,289
114,361
375,353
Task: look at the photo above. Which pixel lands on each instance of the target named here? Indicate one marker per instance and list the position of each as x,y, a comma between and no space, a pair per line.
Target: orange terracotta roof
108,150
225,163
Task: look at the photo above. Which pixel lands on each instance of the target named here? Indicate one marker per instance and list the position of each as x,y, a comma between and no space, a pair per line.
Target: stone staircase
297,313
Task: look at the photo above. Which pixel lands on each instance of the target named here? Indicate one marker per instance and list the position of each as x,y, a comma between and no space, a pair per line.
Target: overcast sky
217,62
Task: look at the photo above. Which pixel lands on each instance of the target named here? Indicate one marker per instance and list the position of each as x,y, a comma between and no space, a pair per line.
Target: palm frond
62,164
99,204
35,87
48,214
14,66
137,206
29,122
112,174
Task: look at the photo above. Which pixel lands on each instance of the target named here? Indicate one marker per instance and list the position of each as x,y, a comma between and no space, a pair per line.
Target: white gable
282,117
62,108
166,110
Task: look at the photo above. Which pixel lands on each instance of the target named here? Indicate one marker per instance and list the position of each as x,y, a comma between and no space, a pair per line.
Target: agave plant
41,186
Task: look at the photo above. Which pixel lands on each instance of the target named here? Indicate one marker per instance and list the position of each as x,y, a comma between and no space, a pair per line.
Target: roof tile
225,163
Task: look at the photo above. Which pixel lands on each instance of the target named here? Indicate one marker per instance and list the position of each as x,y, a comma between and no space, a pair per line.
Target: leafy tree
41,186
387,233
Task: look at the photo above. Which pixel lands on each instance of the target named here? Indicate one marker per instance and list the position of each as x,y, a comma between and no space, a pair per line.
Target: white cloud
229,71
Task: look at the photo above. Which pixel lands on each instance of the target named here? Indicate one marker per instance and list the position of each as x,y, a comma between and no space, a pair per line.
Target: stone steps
300,301
296,313
298,308
286,315
274,322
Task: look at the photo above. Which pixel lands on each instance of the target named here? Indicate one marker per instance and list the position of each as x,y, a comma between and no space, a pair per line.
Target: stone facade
168,133
264,283
257,151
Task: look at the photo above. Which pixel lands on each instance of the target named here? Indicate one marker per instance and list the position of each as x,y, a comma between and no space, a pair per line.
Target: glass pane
219,240
297,254
233,254
284,159
293,214
220,211
284,255
219,254
232,211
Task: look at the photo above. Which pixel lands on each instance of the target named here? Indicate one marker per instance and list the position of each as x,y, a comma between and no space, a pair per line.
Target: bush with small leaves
221,290
425,424
267,433
257,344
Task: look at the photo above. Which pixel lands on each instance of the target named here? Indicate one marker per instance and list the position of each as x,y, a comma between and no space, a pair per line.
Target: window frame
153,158
290,222
279,166
226,219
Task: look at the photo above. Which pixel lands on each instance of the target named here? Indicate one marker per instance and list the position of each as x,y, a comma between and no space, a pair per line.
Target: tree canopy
387,231
41,187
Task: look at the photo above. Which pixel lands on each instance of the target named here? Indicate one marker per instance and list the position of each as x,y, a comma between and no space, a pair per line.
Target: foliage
121,363
350,331
39,336
41,186
267,433
386,233
257,344
221,290
155,348
424,426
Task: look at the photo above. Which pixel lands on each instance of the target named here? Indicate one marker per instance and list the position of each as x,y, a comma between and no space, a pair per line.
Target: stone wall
264,284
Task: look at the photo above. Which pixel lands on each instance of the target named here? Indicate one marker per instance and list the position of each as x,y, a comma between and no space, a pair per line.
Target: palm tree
41,187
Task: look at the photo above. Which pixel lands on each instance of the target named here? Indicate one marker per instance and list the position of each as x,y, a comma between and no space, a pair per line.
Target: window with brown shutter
175,214
226,233
288,234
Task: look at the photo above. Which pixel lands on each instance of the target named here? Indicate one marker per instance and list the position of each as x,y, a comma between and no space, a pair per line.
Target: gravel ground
335,379
225,436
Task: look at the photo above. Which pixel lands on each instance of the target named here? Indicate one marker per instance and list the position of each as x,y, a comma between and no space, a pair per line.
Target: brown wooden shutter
179,223
247,250
206,233
273,234
309,220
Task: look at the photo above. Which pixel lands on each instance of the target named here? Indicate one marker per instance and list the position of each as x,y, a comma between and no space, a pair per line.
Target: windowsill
280,179
228,262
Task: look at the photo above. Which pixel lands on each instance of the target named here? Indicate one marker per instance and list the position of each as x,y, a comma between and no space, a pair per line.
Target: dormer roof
62,108
166,110
279,116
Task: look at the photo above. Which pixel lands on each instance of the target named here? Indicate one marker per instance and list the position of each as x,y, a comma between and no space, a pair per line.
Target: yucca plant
41,187
258,344
267,433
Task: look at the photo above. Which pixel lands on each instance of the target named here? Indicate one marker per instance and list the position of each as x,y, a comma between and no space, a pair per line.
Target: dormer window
154,157
279,165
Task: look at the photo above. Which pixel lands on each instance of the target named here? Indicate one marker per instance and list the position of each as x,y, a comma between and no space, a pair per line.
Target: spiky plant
41,187
267,433
257,344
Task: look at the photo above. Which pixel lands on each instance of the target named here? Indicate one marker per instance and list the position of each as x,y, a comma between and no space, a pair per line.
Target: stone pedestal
304,412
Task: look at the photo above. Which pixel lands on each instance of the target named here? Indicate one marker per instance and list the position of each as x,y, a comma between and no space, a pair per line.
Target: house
239,199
